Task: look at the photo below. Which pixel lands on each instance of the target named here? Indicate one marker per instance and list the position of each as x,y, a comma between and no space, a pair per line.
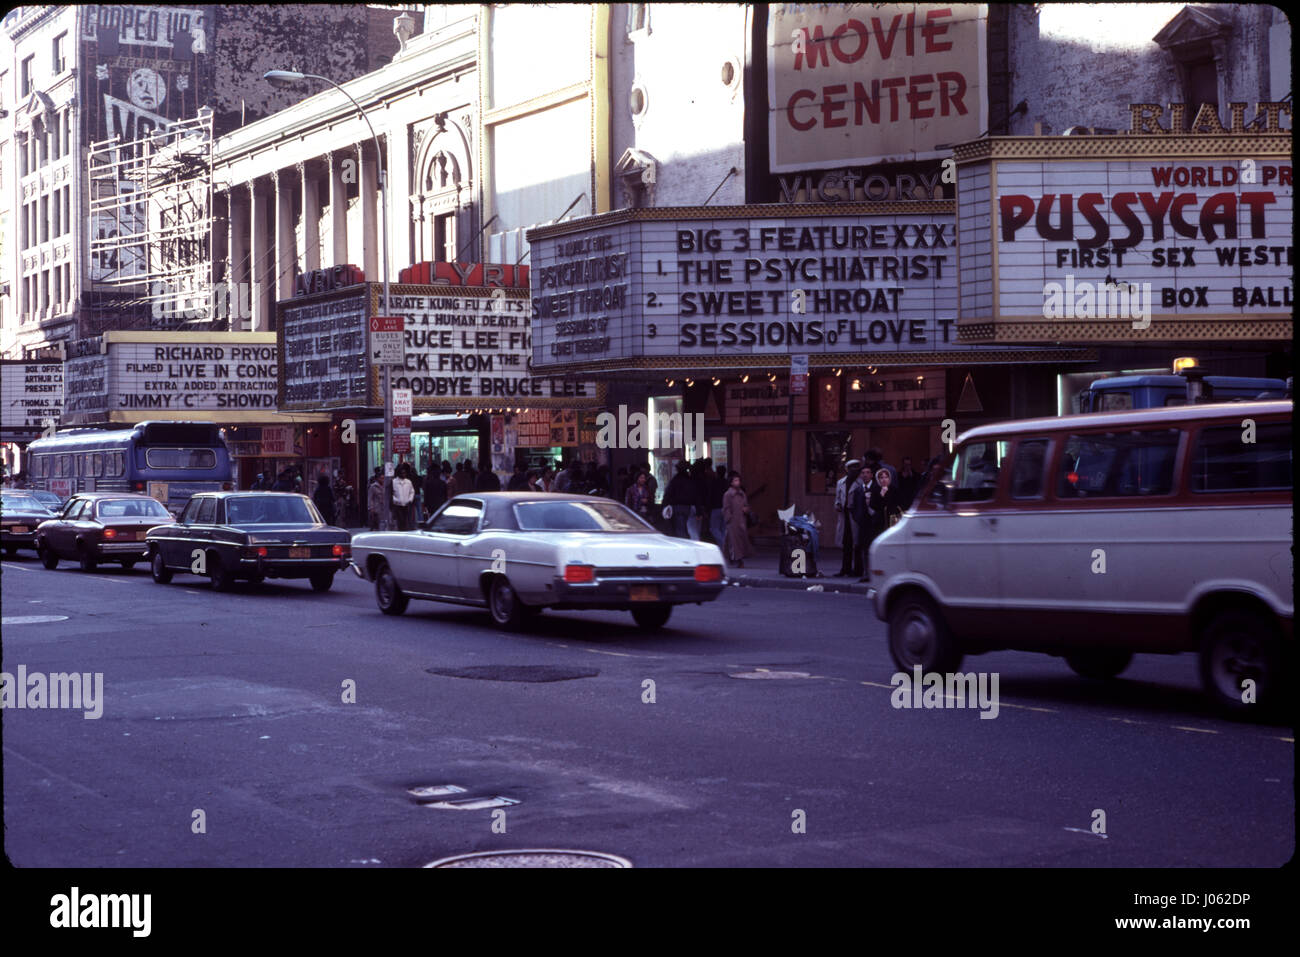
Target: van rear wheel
918,635
1241,663
1099,663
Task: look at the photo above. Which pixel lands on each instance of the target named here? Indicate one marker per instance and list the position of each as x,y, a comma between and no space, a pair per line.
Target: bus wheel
1241,663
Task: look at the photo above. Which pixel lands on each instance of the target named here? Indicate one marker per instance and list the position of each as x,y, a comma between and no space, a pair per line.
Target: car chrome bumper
617,593
290,568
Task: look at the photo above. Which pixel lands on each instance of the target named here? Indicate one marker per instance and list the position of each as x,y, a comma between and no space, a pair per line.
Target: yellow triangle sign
970,399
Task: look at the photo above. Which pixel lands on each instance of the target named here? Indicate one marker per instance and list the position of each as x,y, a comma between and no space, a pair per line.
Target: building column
260,252
338,210
370,239
285,258
238,280
310,219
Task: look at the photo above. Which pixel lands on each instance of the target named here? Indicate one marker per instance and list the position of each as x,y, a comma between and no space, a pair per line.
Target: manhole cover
32,619
770,674
531,673
533,858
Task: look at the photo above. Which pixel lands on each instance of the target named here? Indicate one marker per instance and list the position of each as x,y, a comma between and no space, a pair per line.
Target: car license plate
19,529
300,553
644,593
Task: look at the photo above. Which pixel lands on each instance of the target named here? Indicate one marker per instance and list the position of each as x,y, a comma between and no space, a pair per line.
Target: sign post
798,386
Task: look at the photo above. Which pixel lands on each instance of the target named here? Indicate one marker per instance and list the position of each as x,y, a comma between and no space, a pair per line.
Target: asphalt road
232,706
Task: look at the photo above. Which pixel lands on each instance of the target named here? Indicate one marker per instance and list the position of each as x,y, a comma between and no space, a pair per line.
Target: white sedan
516,553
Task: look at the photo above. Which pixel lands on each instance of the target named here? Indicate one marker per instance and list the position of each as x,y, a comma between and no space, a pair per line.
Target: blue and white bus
1157,391
167,460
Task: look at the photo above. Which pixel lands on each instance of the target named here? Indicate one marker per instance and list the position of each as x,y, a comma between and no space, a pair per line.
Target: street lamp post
287,79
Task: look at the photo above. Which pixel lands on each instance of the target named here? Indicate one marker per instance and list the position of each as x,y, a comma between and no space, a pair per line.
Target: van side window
1027,472
975,470
1224,462
1119,464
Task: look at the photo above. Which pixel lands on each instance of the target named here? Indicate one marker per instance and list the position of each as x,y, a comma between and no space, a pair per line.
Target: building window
638,20
67,282
67,131
67,209
444,237
44,219
60,49
28,64
58,289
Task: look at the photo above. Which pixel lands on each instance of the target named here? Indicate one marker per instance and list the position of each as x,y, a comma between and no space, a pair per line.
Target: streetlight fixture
286,80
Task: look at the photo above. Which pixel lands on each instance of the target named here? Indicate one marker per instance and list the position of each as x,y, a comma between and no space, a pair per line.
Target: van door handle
924,535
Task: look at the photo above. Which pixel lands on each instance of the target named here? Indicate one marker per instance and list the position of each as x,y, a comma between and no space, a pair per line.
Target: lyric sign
470,343
323,349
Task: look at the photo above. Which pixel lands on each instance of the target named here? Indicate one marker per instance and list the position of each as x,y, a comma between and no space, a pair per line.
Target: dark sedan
96,527
20,513
252,536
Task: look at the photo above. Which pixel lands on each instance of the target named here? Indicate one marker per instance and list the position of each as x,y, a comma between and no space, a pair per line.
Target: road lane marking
20,568
1180,727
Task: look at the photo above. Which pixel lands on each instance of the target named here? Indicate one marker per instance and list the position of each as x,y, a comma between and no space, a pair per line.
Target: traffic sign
799,375
387,341
403,402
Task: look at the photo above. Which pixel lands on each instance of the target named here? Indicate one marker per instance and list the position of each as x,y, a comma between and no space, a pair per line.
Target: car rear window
1242,458
272,510
132,508
21,502
577,517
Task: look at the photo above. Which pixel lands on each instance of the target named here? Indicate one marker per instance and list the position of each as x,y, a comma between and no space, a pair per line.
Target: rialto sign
627,287
1202,239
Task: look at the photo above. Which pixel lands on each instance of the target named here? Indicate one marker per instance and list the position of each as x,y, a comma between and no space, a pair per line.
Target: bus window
96,463
975,470
1134,463
1115,401
1222,462
113,465
180,458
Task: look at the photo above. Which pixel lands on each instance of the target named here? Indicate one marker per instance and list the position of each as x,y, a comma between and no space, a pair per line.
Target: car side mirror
941,494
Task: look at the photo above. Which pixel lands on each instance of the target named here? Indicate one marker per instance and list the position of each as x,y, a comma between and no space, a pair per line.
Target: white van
1095,537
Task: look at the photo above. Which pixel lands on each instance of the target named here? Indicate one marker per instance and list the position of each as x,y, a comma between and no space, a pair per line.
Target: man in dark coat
487,480
681,494
435,491
324,499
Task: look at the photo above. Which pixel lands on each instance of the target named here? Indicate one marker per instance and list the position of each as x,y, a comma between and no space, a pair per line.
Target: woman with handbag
737,515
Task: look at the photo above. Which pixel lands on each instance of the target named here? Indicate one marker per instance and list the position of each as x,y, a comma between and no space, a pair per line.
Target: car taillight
262,552
341,551
579,574
110,533
138,486
708,573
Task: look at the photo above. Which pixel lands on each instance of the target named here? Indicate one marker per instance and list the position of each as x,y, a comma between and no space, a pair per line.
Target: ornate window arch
442,197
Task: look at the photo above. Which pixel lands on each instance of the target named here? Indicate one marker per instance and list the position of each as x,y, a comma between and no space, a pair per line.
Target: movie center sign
865,83
471,347
1065,245
142,375
31,397
880,280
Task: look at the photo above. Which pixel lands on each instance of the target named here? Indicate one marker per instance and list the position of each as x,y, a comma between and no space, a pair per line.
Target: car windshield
47,498
272,510
577,517
20,503
132,508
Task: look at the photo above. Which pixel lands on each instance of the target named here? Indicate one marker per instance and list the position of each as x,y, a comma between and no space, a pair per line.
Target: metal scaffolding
151,228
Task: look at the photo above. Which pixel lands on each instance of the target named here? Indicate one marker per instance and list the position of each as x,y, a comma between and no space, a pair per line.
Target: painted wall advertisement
876,283
173,376
142,72
32,398
873,83
1136,240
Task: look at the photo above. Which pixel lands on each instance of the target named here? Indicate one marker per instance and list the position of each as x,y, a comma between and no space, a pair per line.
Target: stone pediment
1191,26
